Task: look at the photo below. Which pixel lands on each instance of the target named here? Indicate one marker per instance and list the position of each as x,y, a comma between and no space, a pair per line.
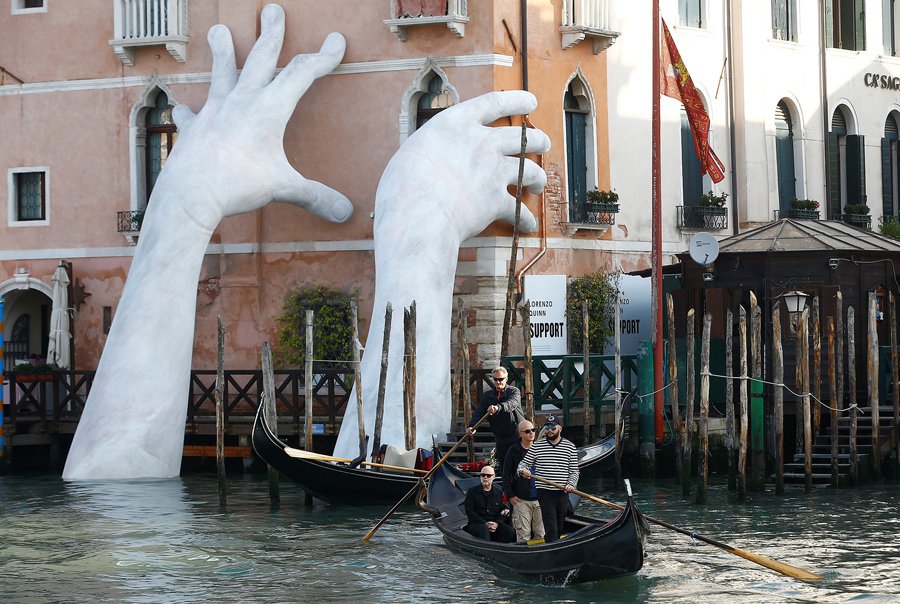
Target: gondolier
554,458
504,406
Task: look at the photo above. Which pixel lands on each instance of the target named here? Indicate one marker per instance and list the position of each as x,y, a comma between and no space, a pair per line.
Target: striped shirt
558,462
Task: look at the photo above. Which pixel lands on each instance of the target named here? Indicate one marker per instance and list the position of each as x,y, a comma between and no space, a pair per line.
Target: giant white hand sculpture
444,185
229,159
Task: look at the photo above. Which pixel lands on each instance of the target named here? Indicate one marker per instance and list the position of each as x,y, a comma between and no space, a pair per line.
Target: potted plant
710,211
805,209
711,200
601,206
858,215
40,372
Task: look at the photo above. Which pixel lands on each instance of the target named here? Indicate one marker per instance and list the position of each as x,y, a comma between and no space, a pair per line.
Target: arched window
431,102
889,171
846,178
692,180
161,135
784,157
580,154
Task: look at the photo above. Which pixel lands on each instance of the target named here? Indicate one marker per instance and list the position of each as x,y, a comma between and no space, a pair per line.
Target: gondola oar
301,454
415,488
781,567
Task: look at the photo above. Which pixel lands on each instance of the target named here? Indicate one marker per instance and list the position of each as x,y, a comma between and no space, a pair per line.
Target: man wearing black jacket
522,492
486,510
504,406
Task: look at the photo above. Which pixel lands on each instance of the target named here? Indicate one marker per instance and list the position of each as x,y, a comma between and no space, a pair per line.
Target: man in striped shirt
556,459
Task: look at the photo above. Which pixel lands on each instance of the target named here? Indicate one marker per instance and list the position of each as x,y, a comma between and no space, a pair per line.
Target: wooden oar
415,488
781,567
300,453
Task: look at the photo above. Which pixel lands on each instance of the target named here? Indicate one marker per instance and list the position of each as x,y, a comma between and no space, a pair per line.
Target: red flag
675,82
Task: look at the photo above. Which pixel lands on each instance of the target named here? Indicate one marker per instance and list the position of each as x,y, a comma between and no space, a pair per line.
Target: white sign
547,297
634,314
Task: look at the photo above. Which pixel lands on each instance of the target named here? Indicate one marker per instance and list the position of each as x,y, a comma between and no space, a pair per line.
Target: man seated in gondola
487,512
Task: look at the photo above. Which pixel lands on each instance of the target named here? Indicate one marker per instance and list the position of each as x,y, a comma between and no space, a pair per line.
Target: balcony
702,218
590,216
129,224
588,19
150,23
407,13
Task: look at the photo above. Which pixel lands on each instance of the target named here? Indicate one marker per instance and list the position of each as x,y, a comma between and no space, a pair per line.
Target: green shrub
332,327
856,208
889,226
597,196
601,291
804,204
711,200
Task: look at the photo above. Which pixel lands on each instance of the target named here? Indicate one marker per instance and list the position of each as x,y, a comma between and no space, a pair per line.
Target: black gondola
593,549
340,483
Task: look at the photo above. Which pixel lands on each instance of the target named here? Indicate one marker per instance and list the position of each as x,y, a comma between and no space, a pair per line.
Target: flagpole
656,246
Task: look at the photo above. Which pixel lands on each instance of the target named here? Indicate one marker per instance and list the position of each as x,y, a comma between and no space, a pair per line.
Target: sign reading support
547,297
634,314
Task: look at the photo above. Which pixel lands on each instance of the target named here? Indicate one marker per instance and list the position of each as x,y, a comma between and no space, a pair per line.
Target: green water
169,541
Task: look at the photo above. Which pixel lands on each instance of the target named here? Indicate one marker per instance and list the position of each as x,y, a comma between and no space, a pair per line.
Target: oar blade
780,567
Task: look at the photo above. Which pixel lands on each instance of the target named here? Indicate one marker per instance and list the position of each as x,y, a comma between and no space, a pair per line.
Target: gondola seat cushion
395,456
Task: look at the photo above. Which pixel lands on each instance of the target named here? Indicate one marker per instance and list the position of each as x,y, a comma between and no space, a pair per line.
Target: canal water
169,541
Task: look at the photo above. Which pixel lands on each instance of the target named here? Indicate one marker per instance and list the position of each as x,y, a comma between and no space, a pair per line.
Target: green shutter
829,24
784,157
887,179
859,24
887,27
833,176
691,176
856,169
779,20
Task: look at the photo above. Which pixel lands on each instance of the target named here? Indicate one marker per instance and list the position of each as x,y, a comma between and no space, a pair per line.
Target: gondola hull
329,481
592,550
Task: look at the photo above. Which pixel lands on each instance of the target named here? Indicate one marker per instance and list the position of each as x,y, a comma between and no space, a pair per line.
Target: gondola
340,483
329,481
592,549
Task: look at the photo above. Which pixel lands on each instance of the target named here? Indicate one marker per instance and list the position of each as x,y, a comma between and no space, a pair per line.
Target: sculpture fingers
263,58
533,176
510,140
183,117
224,69
490,107
313,196
296,78
527,222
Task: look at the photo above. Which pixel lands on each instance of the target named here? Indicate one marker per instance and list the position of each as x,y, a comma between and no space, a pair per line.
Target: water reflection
168,540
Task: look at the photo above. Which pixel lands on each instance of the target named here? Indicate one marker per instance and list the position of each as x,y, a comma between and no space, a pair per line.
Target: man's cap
552,420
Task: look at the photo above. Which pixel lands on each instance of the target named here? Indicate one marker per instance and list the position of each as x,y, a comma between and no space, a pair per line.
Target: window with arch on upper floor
690,13
784,20
432,101
160,136
890,166
846,160
785,166
580,156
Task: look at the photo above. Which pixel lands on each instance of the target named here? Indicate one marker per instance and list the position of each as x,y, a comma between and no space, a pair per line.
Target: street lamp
795,303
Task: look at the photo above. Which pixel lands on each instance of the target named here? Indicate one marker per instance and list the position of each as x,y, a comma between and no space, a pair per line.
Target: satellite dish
704,248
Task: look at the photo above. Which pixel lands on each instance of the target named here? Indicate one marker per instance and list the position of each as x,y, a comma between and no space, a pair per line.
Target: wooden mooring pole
803,331
687,437
778,397
851,388
742,447
357,379
703,450
872,377
816,380
757,407
895,383
270,415
220,412
309,387
586,371
673,388
833,402
730,431
465,389
382,381
409,375
617,413
528,394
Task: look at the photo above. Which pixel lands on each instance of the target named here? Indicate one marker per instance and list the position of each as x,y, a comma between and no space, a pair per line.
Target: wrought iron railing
129,222
796,214
702,217
593,213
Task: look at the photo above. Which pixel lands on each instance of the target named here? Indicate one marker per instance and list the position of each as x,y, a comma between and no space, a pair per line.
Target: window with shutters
580,155
29,196
889,26
784,20
161,135
693,181
890,200
784,157
845,25
846,177
690,13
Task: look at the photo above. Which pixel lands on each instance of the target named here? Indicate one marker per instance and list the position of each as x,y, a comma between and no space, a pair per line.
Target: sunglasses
499,379
486,475
552,426
528,431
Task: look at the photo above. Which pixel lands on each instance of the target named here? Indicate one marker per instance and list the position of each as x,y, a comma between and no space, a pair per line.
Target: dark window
30,196
690,13
889,173
691,174
107,319
161,135
434,100
576,156
33,4
845,24
889,27
784,157
784,20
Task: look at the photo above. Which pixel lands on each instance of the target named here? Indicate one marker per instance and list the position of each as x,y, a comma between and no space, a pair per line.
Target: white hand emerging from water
229,159
444,185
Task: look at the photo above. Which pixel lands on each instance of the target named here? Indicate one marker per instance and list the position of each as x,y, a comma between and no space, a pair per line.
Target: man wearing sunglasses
521,491
554,458
504,404
486,511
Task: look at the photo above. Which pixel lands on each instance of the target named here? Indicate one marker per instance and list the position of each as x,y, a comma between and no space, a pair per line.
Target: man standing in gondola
556,459
486,511
504,406
520,491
